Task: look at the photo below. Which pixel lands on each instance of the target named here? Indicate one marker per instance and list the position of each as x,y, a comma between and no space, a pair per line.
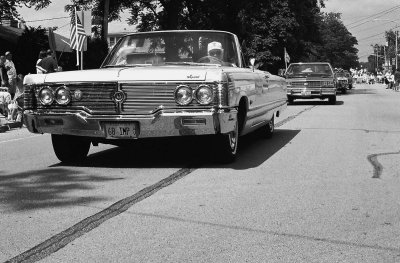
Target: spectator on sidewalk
11,73
3,72
386,79
391,81
39,69
49,63
396,80
16,105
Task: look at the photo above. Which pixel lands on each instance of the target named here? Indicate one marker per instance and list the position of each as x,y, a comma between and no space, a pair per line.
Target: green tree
338,44
28,47
8,8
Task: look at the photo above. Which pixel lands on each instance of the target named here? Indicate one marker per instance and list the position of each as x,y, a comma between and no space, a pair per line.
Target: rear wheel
70,149
268,129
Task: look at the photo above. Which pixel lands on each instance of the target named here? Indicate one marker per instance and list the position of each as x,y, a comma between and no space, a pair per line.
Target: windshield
341,75
305,69
183,48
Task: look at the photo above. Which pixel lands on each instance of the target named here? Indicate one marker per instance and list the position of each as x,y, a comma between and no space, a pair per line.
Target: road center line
65,237
282,122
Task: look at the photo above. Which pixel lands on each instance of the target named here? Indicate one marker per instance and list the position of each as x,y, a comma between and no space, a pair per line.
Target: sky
367,20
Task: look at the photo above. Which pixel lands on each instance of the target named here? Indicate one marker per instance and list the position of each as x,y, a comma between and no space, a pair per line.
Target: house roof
10,34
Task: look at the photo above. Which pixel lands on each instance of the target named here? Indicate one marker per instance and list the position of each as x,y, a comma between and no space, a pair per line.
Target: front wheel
70,149
227,145
332,100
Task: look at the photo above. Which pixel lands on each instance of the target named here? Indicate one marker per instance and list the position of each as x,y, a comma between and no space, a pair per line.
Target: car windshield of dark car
174,48
303,70
341,75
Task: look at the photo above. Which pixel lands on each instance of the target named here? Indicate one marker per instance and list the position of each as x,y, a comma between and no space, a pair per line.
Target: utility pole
105,19
395,53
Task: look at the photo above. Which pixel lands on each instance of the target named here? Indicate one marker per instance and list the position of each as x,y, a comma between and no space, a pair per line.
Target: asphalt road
325,188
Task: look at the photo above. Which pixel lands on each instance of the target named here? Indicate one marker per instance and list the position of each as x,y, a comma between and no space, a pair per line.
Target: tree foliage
265,27
338,44
28,47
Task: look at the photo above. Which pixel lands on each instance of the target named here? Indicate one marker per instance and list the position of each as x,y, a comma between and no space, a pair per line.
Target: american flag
77,34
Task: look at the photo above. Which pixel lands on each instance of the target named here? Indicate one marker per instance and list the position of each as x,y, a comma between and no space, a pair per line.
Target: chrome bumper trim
160,124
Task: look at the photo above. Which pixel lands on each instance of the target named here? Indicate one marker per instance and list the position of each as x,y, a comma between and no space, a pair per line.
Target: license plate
306,93
121,130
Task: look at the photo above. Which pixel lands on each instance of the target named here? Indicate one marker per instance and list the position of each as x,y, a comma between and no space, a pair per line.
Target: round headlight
204,94
46,96
63,96
183,95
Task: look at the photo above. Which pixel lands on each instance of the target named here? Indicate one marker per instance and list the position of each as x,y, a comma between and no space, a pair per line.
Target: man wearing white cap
215,49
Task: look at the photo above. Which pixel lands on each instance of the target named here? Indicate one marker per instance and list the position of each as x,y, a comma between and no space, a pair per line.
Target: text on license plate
122,130
306,93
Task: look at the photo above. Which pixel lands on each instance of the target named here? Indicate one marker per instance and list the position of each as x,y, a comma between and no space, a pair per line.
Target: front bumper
310,93
161,124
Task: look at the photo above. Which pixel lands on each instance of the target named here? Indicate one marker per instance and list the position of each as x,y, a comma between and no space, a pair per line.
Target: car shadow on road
46,188
364,91
314,102
187,152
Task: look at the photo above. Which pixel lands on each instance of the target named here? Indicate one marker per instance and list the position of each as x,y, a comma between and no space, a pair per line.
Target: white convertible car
156,84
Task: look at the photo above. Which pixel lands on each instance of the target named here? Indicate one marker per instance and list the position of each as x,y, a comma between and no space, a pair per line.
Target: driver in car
215,49
215,53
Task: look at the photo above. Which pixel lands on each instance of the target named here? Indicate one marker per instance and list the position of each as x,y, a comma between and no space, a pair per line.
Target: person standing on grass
3,72
39,69
49,63
11,73
396,80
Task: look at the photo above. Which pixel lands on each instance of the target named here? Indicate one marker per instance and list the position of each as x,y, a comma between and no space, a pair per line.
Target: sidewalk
6,125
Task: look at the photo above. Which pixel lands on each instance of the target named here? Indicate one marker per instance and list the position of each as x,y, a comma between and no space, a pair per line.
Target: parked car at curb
157,84
310,80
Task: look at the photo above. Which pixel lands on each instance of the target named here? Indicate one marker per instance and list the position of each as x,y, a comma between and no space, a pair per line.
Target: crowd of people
391,78
11,89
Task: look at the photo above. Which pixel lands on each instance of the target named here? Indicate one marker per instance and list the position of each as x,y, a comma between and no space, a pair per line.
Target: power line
379,14
378,34
54,18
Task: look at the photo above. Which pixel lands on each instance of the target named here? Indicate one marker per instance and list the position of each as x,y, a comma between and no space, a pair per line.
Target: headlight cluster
203,94
61,95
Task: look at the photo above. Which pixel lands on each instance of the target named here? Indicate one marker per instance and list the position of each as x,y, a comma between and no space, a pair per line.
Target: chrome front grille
146,98
96,98
311,84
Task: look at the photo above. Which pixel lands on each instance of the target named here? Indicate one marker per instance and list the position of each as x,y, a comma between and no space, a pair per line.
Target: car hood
167,73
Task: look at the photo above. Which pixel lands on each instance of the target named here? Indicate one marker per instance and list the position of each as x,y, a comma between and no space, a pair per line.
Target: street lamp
396,35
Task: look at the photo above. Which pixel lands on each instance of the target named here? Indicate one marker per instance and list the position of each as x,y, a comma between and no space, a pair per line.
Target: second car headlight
204,94
62,96
183,95
46,96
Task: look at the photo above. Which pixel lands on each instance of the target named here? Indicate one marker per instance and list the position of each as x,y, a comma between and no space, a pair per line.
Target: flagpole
284,57
76,36
82,60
